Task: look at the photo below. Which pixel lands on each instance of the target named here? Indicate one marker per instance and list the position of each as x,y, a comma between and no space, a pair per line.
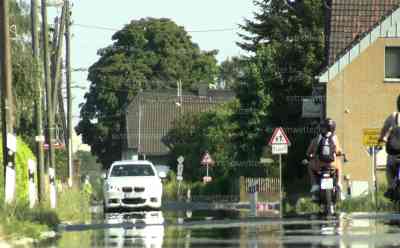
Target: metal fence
261,184
215,198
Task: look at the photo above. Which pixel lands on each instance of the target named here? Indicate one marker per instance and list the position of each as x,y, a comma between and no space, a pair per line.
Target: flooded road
232,229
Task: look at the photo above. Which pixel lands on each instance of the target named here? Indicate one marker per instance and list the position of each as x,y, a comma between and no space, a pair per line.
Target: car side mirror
104,176
162,174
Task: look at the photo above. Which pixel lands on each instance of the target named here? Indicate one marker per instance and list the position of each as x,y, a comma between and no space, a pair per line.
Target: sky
112,15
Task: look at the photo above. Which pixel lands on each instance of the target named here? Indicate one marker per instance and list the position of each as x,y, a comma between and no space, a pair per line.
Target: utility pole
38,100
9,139
60,114
69,95
47,81
57,59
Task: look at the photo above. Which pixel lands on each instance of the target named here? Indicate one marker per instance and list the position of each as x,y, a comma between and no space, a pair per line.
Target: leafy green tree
193,134
146,54
287,37
231,72
23,73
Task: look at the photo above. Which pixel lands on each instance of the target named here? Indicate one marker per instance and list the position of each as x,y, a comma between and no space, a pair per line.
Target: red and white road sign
279,137
55,145
207,160
207,179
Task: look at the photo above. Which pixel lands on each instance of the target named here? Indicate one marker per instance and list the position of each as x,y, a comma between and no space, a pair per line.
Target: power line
189,31
95,27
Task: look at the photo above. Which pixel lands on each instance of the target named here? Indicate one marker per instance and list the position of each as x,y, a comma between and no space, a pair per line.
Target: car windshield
132,170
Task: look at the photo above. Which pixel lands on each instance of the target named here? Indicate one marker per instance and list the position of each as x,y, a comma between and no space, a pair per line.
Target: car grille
133,200
127,189
134,216
139,189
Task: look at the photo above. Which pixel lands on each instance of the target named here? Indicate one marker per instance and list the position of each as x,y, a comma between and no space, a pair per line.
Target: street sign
55,145
279,137
279,142
371,136
40,138
371,151
207,160
181,159
280,149
312,108
207,179
266,160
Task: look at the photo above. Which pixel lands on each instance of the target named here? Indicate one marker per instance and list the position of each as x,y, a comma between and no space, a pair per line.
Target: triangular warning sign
207,160
279,137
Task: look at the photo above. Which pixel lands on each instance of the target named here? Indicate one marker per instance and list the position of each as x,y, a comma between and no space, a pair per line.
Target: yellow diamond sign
371,136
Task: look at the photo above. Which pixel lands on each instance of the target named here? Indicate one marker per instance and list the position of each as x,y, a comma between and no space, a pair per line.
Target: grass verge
356,204
21,221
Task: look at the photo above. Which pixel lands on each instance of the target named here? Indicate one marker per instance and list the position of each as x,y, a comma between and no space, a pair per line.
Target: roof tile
351,19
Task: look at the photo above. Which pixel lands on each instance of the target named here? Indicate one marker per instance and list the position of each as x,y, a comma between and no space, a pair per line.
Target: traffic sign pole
374,181
280,185
180,160
207,161
279,142
370,139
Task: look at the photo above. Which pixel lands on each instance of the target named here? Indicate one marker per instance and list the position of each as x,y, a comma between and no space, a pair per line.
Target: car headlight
110,187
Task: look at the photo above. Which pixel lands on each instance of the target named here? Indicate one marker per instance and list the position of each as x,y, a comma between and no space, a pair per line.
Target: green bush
356,204
20,220
73,205
219,186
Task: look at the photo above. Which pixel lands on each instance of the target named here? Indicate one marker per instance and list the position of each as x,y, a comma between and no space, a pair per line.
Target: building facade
363,77
151,114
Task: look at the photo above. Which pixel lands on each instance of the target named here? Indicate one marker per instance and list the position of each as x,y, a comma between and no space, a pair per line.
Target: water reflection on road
158,229
140,229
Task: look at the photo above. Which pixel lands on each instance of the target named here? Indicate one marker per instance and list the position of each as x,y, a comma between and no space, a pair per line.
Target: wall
359,98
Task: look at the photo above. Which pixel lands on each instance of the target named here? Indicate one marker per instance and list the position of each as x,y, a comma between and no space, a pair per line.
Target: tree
23,72
231,71
146,54
287,40
255,99
193,134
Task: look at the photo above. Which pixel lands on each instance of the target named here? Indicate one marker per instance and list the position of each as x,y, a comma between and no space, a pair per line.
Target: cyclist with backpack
323,151
390,134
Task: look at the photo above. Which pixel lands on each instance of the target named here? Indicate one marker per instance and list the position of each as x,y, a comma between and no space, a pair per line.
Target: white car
136,229
132,184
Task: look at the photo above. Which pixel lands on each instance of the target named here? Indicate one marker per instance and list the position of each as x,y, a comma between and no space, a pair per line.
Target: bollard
10,183
253,204
53,190
189,196
32,185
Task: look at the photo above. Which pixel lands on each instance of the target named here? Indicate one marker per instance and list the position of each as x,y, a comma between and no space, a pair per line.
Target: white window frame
387,79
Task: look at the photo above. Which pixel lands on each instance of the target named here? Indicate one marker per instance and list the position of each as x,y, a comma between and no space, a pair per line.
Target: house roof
153,114
354,26
349,19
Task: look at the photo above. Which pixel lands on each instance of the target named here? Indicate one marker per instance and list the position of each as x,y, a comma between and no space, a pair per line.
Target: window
129,170
392,62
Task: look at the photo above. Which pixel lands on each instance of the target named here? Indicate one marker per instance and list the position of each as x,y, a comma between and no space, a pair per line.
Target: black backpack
393,143
326,149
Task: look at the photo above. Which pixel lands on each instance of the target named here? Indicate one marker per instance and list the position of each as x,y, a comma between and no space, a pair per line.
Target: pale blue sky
194,15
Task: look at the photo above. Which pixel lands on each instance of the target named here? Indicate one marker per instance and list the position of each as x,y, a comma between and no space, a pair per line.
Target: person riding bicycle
390,136
323,151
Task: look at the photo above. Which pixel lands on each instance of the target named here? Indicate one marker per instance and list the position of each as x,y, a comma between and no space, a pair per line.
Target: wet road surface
232,229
